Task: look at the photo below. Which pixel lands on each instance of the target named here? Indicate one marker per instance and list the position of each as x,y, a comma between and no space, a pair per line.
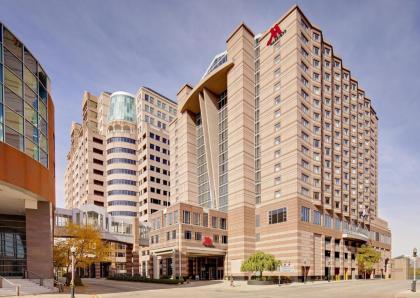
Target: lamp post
414,283
329,270
73,253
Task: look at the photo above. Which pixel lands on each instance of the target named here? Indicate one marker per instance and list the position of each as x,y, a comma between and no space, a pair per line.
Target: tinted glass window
31,115
14,121
12,43
31,149
13,63
14,139
30,80
30,61
13,101
42,93
31,132
42,76
31,97
12,82
43,158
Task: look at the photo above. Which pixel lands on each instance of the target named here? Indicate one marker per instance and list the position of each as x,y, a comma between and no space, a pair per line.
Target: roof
163,96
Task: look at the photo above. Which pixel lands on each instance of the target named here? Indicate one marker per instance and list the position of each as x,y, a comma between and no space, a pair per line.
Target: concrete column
39,240
97,270
156,271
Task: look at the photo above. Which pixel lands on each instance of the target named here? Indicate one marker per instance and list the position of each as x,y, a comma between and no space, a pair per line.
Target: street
344,289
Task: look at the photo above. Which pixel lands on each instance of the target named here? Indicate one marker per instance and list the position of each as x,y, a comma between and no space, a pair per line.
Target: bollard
17,290
1,282
413,286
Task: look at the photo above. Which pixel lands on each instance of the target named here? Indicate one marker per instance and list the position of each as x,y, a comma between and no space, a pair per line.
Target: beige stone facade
280,136
119,155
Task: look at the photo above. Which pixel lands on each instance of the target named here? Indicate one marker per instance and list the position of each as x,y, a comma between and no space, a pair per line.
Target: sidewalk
407,294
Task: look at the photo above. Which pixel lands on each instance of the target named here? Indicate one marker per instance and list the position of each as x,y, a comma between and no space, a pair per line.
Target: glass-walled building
27,179
24,88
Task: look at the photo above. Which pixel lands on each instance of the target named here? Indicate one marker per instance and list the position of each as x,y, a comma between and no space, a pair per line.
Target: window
277,216
120,139
337,224
224,239
205,219
196,218
304,214
327,221
186,217
214,222
223,223
316,217
216,238
121,160
187,234
197,236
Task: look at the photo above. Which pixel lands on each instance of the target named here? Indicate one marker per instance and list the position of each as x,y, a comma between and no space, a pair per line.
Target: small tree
260,262
90,248
367,257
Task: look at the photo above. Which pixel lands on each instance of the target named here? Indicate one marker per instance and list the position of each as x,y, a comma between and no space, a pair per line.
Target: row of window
158,159
123,213
150,99
121,139
121,150
195,219
188,235
158,138
122,192
121,181
121,171
122,203
121,160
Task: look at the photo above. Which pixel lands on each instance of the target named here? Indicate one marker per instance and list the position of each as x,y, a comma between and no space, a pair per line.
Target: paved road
348,289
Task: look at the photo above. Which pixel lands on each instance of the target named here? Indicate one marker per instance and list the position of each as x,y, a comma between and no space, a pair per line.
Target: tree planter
254,282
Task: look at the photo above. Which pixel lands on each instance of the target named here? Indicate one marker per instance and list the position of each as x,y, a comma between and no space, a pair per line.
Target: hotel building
274,150
119,155
27,162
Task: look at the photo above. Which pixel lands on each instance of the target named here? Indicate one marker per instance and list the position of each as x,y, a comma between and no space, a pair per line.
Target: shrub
139,278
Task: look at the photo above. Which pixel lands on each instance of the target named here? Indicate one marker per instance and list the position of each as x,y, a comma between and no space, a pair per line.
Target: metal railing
17,287
59,285
27,273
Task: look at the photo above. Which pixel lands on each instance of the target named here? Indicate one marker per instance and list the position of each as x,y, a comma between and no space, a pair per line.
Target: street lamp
329,270
413,285
73,253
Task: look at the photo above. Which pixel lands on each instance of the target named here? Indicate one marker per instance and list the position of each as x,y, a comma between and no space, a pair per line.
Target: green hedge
139,278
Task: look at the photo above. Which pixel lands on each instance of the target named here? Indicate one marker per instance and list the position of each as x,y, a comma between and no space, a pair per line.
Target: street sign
287,268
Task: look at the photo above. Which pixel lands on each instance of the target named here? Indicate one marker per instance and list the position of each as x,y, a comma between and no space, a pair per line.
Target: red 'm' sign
275,33
207,241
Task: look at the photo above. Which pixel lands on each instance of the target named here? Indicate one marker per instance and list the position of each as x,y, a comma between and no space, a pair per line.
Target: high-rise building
27,162
119,155
280,139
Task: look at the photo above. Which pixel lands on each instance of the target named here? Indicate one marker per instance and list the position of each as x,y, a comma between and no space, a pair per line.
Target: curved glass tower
122,107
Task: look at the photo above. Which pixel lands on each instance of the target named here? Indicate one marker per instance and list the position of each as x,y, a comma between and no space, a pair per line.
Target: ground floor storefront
191,264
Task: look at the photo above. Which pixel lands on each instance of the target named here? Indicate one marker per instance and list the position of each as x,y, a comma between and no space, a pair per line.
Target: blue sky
122,45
